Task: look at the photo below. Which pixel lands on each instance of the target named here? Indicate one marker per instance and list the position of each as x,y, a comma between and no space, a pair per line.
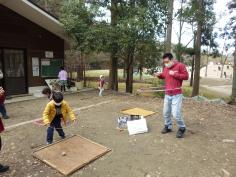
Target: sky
222,16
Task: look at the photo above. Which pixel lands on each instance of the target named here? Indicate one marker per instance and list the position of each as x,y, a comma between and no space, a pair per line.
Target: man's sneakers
3,168
166,130
5,117
180,132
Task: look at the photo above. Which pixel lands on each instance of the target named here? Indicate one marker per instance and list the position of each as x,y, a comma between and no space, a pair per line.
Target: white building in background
214,71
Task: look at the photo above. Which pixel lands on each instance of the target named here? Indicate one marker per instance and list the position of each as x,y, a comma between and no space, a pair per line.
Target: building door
14,71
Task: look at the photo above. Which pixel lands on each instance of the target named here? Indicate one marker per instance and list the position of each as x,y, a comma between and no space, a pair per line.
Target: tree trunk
206,67
222,67
129,71
130,60
79,67
169,26
113,73
84,76
233,96
124,70
181,23
222,70
193,59
192,71
140,72
207,62
196,79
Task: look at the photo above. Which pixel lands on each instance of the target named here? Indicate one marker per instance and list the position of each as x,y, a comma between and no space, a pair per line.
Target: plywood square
79,151
138,111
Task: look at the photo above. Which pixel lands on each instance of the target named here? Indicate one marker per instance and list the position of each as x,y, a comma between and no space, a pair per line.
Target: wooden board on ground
70,154
138,111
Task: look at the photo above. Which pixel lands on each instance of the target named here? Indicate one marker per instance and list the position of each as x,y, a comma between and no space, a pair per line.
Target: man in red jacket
174,73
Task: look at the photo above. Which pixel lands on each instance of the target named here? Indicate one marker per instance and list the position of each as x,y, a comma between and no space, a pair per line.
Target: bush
187,91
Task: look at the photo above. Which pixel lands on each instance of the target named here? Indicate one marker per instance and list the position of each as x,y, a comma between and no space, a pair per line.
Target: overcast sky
222,16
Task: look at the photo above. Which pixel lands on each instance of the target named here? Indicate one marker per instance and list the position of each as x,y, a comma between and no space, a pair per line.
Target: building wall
214,71
20,33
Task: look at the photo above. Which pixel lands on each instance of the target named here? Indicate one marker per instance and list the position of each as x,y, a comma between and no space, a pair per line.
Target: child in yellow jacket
55,111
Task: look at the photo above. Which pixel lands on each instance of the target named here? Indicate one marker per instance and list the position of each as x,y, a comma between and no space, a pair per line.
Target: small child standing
63,76
2,105
55,111
101,85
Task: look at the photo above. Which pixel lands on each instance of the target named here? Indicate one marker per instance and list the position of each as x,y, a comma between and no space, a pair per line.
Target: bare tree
169,26
232,6
113,73
234,76
196,80
223,58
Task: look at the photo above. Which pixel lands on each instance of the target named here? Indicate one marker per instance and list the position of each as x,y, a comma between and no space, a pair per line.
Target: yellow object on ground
138,111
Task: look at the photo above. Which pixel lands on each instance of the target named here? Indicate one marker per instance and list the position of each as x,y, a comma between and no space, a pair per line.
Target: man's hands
172,73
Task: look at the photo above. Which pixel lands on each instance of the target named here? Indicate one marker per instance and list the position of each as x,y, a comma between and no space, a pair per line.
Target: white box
137,126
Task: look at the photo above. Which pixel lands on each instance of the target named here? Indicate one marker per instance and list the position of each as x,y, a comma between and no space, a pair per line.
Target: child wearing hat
55,112
101,85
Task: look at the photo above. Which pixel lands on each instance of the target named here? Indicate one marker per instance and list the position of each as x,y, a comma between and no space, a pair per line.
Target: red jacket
1,130
101,83
2,99
173,83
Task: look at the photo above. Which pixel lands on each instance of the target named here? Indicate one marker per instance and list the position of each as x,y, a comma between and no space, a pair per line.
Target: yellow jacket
50,112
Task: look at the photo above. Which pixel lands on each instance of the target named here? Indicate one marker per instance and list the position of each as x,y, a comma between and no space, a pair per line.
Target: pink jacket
173,83
62,75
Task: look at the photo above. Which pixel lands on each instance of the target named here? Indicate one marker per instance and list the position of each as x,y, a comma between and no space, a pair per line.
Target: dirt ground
202,153
215,81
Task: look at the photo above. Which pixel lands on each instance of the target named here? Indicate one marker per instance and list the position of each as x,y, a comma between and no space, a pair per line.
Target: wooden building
32,44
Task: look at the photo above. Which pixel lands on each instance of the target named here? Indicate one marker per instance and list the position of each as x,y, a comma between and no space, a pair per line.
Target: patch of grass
136,86
212,94
97,73
147,79
121,86
187,91
92,84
